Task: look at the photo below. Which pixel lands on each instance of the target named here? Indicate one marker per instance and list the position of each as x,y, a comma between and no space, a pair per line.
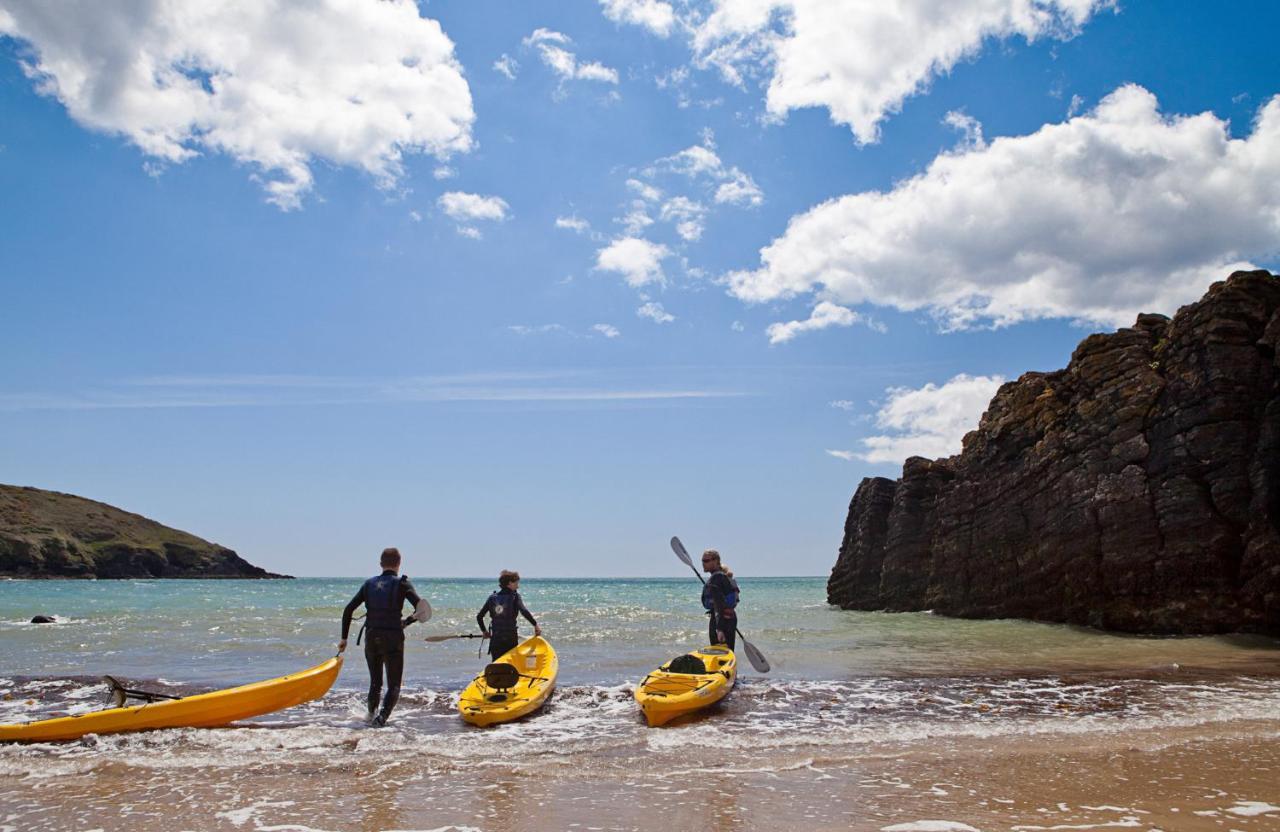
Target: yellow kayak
667,693
518,683
204,710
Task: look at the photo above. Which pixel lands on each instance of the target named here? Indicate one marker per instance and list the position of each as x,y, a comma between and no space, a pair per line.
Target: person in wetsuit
501,608
720,599
383,597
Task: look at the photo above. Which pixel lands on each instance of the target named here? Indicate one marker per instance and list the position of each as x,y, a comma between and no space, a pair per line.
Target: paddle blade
757,659
422,610
117,691
681,552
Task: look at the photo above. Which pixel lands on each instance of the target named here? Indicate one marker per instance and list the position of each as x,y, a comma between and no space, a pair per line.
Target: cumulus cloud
551,47
701,162
274,85
929,421
470,232
824,315
687,215
639,261
655,15
860,59
466,207
444,172
607,330
575,224
644,190
1117,211
654,312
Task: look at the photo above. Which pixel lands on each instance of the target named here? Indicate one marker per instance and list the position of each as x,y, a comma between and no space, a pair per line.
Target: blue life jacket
503,607
730,595
384,598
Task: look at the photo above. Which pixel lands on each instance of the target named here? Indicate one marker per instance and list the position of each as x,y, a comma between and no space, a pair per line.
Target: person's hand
486,634
537,631
342,645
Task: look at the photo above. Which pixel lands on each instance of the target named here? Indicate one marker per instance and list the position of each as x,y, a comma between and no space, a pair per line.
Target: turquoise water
607,632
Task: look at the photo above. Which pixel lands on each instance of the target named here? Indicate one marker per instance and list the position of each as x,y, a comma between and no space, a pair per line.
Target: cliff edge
1138,489
46,534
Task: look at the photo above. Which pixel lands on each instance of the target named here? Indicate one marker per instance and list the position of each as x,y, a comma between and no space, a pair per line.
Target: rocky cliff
45,534
1138,489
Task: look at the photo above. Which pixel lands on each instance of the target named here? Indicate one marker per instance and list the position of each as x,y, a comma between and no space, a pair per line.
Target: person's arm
411,596
537,631
480,616
346,617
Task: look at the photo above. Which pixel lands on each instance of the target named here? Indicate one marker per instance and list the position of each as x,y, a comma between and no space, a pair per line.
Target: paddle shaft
446,638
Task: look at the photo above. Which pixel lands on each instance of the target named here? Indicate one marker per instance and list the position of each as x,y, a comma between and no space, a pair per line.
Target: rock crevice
1137,489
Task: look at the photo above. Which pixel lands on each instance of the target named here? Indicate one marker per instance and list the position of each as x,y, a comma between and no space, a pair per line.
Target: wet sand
1217,777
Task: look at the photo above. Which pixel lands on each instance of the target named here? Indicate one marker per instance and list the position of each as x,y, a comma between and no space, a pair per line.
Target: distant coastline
51,535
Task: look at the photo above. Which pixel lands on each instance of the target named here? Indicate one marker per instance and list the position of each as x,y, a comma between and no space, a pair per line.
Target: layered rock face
45,534
1138,489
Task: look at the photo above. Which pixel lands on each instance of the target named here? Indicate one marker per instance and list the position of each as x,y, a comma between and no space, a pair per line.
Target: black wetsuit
502,607
723,616
383,596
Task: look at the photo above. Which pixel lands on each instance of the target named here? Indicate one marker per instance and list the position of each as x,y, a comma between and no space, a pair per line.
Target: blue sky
538,285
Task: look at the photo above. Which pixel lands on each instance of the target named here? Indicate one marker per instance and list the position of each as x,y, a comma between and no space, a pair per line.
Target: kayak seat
502,676
686,664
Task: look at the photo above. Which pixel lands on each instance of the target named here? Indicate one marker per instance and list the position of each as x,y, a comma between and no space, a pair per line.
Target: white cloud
847,456
444,172
607,330
737,326
466,207
842,404
654,312
860,59
507,66
687,215
415,216
1117,211
470,232
824,315
644,190
541,329
274,85
574,224
639,261
655,15
551,48
701,161
929,421
636,220
968,126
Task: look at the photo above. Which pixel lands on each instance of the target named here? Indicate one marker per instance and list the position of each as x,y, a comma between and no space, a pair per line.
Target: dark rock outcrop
1138,489
45,534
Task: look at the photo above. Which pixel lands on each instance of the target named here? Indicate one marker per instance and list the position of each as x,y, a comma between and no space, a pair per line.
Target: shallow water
847,687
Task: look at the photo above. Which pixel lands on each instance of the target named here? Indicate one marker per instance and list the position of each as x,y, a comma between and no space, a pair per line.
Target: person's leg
373,657
730,630
711,630
500,644
395,670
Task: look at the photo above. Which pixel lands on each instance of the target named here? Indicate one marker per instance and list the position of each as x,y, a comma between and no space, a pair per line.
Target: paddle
446,638
120,693
757,659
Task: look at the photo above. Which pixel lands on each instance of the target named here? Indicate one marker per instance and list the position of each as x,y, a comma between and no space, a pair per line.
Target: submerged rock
43,619
1138,489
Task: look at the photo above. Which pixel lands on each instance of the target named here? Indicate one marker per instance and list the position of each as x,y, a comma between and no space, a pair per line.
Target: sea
866,720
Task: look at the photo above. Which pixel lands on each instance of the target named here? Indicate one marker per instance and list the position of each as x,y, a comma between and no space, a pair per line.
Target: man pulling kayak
720,600
383,597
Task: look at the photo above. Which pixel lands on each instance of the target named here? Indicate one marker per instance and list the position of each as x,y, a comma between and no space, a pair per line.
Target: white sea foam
929,826
1252,808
